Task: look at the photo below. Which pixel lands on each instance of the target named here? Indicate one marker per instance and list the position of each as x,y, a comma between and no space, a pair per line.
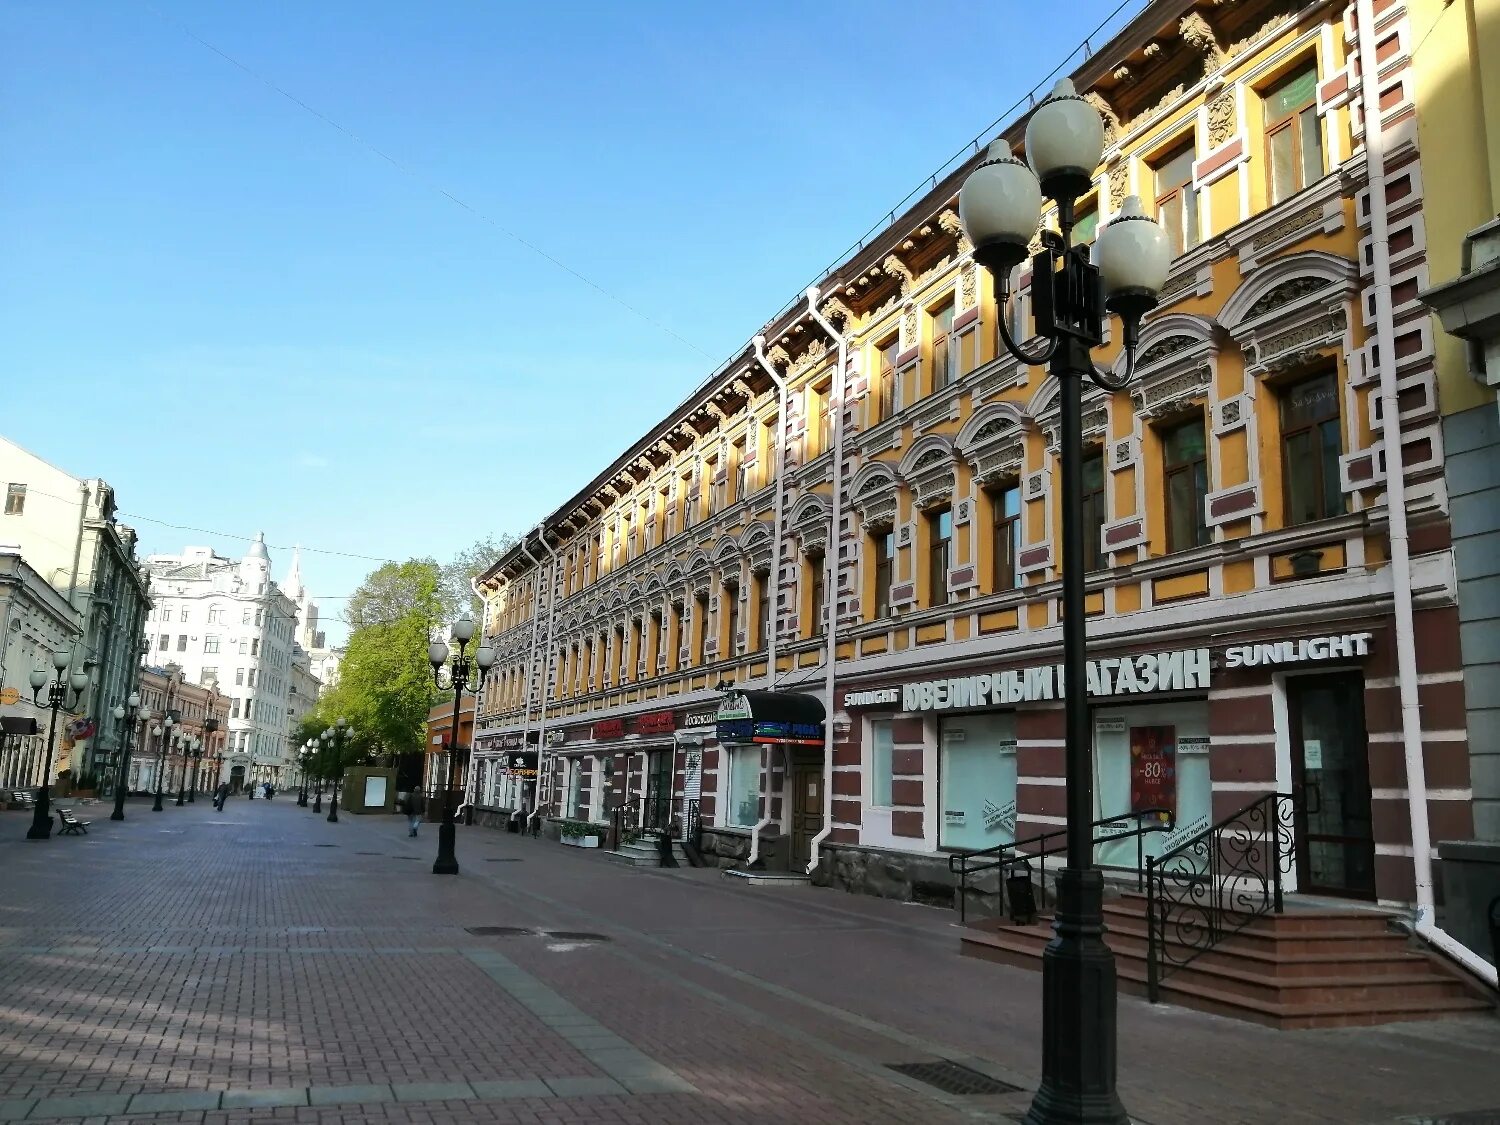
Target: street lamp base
318,805
156,805
1078,1012
447,860
41,826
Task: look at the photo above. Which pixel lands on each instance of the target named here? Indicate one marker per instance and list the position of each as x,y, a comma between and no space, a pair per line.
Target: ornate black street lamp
130,712
459,673
59,692
1072,293
304,756
163,732
197,756
188,749
336,737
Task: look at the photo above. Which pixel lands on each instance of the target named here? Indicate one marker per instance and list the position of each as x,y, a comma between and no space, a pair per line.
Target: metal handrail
1003,856
1219,880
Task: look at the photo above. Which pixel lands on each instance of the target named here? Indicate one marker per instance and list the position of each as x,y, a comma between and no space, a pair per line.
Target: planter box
581,841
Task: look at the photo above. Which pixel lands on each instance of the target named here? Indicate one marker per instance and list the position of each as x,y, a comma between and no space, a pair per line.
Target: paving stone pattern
203,967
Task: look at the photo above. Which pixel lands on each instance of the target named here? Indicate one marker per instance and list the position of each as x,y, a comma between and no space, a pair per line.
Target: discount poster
1153,769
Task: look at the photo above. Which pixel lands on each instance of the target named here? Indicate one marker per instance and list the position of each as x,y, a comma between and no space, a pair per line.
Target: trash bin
1022,895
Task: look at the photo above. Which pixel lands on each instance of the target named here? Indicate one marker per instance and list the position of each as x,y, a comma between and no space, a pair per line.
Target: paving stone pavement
224,967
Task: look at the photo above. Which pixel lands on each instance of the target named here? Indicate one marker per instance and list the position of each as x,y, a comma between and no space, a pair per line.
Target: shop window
886,404
882,741
882,561
1294,136
1176,201
15,499
1310,449
1153,756
731,603
944,347
815,573
977,781
762,610
939,555
1005,514
744,786
1093,510
1185,468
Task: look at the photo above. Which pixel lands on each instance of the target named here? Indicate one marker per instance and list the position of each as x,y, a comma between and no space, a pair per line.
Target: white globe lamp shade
463,629
61,659
485,657
118,712
133,699
1133,257
144,714
1000,205
437,653
1064,141
341,723
38,679
79,680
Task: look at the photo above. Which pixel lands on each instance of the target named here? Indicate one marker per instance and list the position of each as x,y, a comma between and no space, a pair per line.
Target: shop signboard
1153,768
521,764
609,728
511,741
770,716
873,697
556,737
655,722
700,719
1341,646
1182,670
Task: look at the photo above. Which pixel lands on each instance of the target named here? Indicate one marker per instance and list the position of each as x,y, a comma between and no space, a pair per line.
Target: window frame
1202,534
885,398
1093,526
883,547
1311,427
1184,192
15,499
1293,121
1005,528
949,343
939,557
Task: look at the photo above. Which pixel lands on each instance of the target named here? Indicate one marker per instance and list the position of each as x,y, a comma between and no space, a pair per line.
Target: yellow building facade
1241,591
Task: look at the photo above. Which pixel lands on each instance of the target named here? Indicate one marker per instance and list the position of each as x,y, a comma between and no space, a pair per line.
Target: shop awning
770,716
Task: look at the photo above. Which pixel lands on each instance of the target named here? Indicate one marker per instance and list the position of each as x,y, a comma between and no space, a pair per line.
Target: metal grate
498,931
951,1078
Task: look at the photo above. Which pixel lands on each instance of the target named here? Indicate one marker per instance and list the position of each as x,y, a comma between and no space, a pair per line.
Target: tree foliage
456,590
394,591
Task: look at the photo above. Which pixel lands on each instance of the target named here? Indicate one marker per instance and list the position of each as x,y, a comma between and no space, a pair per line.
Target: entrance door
1331,785
807,812
658,812
236,778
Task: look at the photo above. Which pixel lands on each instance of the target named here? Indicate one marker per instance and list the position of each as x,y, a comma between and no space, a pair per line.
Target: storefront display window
744,786
1151,757
978,781
880,762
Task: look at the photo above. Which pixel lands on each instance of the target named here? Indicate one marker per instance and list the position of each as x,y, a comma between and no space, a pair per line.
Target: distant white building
226,621
322,660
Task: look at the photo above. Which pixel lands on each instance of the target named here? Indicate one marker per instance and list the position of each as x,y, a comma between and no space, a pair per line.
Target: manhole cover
498,931
951,1078
571,935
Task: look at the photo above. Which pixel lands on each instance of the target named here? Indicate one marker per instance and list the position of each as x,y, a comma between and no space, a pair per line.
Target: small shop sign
521,764
1343,646
874,697
700,719
655,722
609,728
770,716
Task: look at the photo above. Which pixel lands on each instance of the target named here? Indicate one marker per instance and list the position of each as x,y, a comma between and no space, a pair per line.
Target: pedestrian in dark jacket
221,794
411,806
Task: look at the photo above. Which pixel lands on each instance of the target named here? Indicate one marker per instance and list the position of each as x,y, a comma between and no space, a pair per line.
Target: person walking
413,810
221,794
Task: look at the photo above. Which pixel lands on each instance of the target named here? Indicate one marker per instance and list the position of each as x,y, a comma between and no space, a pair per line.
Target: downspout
536,613
781,429
541,730
1390,432
83,511
831,571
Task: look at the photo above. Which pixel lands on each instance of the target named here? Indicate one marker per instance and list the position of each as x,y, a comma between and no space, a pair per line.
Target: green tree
456,589
395,591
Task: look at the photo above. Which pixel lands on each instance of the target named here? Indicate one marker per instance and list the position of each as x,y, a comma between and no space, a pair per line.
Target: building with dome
230,626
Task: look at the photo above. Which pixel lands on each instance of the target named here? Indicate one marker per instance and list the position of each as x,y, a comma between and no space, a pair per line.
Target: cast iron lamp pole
128,712
197,766
1000,206
163,734
58,693
186,750
303,757
337,735
459,672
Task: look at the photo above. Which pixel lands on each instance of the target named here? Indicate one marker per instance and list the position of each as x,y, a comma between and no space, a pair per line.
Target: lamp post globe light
196,752
1072,293
304,757
459,671
64,689
163,732
128,713
337,737
186,749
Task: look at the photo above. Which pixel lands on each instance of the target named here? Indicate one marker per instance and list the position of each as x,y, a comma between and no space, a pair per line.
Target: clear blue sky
246,321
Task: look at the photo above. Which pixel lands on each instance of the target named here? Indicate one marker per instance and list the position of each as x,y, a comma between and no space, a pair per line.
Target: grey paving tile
91,1105
665,1084
616,1061
584,1087
512,1088
431,1091
264,1099
342,1095
596,1041
175,1101
13,1109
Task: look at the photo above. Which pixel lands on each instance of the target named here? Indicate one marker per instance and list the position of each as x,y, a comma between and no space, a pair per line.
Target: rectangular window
162,642
245,618
819,421
977,781
258,614
234,708
944,348
939,556
211,643
883,558
663,516
210,675
253,676
744,786
685,497
1310,449
762,610
885,380
1093,510
216,615
255,646
244,646
1185,466
712,487
816,575
15,499
181,642
239,677
1005,511
881,740
731,603
741,471
1176,201
183,614
661,640
700,624
1294,137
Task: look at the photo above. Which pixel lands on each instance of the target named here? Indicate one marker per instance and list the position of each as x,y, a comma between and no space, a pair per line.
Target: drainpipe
781,428
536,614
1390,432
831,571
541,730
470,776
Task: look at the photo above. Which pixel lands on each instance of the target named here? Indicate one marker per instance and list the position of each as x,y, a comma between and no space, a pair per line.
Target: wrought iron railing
692,825
1002,857
656,812
1215,883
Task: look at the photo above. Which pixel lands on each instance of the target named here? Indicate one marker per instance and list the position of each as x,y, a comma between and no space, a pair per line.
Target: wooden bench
24,798
71,823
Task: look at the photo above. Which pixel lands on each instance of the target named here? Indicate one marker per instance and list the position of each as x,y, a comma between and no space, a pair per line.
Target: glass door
1331,785
807,812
